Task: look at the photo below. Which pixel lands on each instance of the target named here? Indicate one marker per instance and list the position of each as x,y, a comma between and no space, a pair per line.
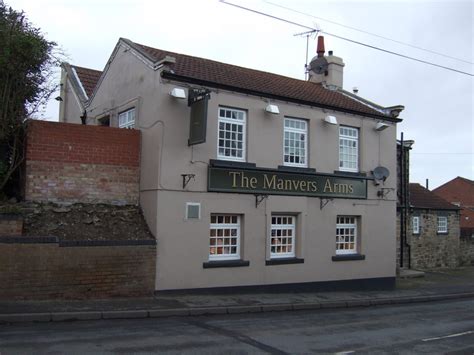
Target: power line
344,38
367,32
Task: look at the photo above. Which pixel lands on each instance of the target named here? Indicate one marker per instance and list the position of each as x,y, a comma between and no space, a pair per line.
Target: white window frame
296,131
126,119
283,225
348,138
223,226
442,224
343,224
416,224
239,119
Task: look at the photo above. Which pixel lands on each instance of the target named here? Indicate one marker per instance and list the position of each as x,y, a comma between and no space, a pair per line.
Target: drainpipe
404,205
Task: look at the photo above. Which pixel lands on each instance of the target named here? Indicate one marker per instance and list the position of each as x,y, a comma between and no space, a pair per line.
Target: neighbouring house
460,192
248,178
433,230
427,225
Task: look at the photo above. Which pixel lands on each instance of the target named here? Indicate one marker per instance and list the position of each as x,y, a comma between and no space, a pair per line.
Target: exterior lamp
330,120
273,109
178,93
381,126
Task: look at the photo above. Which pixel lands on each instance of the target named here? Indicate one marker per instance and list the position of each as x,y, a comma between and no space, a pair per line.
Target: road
431,328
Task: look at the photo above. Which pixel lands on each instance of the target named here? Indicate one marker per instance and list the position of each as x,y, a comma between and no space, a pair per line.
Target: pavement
412,286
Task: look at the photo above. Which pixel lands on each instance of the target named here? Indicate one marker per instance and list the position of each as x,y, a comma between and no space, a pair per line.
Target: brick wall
75,163
430,249
10,225
43,268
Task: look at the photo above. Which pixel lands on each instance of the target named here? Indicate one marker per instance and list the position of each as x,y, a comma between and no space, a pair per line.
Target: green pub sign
274,182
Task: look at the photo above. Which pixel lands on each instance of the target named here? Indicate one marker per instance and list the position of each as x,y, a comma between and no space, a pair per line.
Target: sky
438,113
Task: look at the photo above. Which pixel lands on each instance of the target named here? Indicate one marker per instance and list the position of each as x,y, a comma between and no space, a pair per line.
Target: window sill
350,173
442,233
297,169
225,263
347,257
283,261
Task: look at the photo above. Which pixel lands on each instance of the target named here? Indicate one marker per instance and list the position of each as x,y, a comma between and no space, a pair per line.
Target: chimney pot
320,50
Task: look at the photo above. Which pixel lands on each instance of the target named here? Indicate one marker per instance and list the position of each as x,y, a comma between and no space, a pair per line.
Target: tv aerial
307,34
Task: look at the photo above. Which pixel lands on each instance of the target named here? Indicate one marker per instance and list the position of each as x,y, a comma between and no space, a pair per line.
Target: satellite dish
381,173
319,65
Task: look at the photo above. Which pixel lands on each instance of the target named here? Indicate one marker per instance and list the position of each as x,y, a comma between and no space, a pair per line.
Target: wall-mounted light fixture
381,126
330,120
273,109
178,93
58,98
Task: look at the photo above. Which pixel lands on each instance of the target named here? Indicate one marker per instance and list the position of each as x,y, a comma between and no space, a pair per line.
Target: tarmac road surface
431,328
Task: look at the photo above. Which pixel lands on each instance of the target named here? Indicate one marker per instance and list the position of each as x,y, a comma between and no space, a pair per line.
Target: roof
459,190
88,78
424,198
216,74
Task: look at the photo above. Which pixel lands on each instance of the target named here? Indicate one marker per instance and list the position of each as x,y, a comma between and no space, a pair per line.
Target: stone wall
466,250
10,225
76,163
37,268
429,249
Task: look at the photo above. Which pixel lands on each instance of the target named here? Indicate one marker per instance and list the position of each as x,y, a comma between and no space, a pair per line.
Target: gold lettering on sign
234,177
312,186
253,182
269,183
327,186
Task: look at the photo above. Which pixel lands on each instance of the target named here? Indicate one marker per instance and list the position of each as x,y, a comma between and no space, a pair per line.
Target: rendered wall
76,163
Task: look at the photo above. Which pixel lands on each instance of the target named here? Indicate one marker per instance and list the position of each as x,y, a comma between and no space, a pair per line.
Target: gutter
185,79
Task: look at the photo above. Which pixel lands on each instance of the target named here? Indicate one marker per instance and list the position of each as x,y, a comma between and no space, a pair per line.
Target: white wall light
178,93
381,126
273,109
330,120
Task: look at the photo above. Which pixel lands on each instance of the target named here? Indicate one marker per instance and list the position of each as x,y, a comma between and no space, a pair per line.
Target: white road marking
345,352
449,336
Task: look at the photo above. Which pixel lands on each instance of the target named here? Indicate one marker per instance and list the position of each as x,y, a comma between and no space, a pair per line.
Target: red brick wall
75,163
36,271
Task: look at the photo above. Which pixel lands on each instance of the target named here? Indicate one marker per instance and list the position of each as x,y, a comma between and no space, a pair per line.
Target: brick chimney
327,70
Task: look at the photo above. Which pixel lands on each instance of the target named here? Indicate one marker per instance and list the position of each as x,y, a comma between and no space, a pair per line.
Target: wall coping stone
74,243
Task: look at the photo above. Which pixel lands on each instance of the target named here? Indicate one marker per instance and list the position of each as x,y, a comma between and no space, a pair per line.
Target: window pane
294,143
231,128
224,232
282,236
346,235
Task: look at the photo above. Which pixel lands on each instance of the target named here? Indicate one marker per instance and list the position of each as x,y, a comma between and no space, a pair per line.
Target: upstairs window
442,224
295,144
127,119
231,134
348,149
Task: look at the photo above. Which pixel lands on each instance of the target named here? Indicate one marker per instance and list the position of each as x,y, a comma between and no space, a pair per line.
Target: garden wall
39,268
76,163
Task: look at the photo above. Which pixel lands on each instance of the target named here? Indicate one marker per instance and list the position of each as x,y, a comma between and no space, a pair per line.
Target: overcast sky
438,103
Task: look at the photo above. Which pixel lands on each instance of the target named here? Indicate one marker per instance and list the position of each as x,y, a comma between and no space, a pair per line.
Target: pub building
251,179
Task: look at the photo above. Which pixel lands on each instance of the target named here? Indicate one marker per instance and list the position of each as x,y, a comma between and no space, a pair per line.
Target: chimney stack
326,70
320,50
